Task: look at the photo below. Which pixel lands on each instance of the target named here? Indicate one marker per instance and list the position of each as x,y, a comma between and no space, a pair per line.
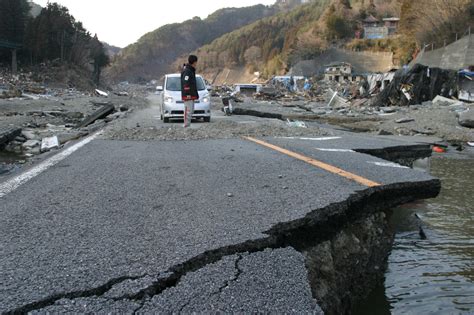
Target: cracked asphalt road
121,226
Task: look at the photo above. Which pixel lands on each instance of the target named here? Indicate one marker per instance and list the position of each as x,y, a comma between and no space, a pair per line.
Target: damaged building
340,72
379,29
379,81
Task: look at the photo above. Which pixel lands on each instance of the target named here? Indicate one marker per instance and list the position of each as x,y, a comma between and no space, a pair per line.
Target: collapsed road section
195,226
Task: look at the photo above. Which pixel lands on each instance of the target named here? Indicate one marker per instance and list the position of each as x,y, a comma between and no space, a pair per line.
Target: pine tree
101,59
13,17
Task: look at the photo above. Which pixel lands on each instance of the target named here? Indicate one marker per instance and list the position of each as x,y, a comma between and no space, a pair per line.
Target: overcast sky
122,22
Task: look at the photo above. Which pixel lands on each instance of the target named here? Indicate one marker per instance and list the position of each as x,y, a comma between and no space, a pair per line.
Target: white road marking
334,150
387,164
14,183
312,139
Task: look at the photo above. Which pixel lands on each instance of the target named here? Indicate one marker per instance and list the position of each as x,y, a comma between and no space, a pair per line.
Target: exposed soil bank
342,270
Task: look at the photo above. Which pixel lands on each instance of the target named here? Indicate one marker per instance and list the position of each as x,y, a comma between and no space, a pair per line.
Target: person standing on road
189,92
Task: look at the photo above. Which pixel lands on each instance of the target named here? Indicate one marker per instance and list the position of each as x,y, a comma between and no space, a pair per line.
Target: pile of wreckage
405,87
363,96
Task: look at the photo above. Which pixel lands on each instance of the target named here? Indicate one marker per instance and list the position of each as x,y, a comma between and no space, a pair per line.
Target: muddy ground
439,120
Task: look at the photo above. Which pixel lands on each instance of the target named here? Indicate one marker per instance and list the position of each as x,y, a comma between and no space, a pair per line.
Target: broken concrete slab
49,143
99,124
31,144
388,110
103,112
256,113
70,136
466,119
100,103
8,134
444,101
404,120
101,93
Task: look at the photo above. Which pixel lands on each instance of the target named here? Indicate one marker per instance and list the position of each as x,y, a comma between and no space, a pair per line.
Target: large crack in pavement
97,291
316,227
237,274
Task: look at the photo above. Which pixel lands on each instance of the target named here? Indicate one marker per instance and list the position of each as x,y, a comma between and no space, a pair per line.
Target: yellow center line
322,165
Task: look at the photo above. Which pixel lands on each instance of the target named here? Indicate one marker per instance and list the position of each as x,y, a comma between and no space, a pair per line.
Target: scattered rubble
38,118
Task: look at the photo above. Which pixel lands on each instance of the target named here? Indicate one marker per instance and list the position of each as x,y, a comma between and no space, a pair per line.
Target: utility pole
14,49
14,62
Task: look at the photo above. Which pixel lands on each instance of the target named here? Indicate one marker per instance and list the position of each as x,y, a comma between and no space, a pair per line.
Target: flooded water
433,275
9,162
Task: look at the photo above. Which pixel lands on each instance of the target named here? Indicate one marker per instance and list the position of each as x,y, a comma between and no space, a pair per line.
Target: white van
172,105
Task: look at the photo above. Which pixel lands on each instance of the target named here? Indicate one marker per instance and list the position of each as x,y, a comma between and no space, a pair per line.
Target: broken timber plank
99,114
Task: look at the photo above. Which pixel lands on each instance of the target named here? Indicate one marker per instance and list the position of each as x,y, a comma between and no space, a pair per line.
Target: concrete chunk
31,144
466,119
49,143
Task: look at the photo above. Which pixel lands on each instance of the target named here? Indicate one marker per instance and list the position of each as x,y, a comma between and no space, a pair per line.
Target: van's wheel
166,120
207,119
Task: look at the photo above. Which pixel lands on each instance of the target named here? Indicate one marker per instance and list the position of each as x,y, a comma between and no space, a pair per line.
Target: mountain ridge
152,55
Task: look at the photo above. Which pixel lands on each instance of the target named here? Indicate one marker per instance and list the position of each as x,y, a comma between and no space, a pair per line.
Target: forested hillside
53,35
152,55
272,45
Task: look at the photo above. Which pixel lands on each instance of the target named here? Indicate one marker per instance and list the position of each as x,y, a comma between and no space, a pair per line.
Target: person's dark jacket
189,89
